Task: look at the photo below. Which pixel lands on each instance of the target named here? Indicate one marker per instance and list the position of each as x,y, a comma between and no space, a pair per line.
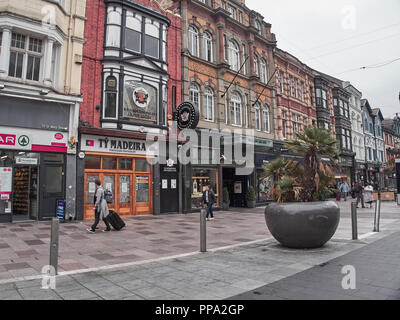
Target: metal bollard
377,215
203,224
354,220
54,243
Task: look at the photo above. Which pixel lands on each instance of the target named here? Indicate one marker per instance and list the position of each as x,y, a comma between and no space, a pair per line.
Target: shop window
200,178
142,189
110,103
142,165
125,164
124,189
109,163
109,184
91,188
92,162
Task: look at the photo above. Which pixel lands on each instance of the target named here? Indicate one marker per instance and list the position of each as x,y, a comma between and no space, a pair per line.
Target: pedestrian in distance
368,197
359,193
209,200
101,208
344,189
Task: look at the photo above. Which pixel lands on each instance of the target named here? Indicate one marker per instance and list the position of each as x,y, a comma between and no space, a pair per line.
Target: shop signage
258,141
187,116
29,139
346,161
5,182
114,145
238,187
140,101
397,160
31,161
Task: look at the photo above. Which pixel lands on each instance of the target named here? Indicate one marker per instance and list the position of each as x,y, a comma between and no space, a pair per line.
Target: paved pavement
227,273
377,277
24,247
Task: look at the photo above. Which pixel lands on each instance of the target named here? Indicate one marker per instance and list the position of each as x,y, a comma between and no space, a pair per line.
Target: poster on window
140,101
238,187
5,182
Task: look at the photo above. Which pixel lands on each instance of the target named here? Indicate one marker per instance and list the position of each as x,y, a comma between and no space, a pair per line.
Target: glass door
90,191
125,196
109,184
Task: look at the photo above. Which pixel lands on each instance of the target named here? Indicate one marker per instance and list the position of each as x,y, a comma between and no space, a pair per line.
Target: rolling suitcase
115,220
338,195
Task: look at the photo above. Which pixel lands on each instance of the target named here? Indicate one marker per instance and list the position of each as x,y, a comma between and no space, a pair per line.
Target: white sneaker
90,230
212,219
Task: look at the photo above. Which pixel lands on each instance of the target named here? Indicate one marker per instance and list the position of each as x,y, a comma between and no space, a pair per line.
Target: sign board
165,184
31,139
29,161
238,187
397,160
114,145
60,210
173,183
140,101
5,182
187,116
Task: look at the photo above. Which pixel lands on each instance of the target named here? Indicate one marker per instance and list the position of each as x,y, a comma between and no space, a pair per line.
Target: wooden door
125,195
143,194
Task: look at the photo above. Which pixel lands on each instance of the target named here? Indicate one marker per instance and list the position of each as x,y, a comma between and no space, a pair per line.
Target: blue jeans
209,210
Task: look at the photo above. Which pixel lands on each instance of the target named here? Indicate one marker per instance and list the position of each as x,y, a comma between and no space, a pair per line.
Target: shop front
123,167
263,183
32,173
346,170
360,172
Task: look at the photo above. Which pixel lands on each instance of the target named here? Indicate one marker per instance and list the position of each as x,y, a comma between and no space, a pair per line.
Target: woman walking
101,209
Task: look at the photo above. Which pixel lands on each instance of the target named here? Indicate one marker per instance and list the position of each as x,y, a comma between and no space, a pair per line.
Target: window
232,12
133,32
233,56
142,165
263,71
302,91
291,80
266,119
236,109
151,39
110,98
296,93
193,41
281,83
311,95
240,17
208,52
244,58
284,123
125,164
194,95
321,97
1,39
257,25
25,57
256,65
113,33
257,118
208,104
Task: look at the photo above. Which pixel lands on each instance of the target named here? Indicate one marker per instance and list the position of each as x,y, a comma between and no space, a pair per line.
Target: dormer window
232,12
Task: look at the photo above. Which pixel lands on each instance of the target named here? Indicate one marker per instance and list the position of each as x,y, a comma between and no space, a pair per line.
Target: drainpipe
67,77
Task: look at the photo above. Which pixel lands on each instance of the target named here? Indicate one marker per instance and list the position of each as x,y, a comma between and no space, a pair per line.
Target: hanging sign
187,116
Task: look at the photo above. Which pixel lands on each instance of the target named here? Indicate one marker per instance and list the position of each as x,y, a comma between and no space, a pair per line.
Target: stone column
221,47
5,53
47,60
251,52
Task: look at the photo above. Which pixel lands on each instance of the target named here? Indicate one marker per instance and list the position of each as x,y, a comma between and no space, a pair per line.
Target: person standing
359,194
368,197
209,200
101,208
344,189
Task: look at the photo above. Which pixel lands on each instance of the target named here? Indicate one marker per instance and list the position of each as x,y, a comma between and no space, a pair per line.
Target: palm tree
312,144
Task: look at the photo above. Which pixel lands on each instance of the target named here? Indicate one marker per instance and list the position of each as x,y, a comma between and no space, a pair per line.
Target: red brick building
131,84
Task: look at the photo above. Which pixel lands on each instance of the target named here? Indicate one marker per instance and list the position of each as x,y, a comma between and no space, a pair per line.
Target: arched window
266,122
113,27
263,71
110,98
258,27
208,104
233,55
236,109
194,95
257,117
193,41
256,71
208,47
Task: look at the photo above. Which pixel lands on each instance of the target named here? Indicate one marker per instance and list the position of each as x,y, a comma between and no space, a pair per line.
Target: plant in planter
225,199
301,218
251,197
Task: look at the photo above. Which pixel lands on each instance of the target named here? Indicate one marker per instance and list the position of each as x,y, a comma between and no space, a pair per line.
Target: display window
200,178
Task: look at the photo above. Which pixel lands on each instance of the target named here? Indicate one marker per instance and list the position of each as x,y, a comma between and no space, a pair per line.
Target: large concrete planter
303,225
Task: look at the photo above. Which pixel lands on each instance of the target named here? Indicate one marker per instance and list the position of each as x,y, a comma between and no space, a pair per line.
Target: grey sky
318,32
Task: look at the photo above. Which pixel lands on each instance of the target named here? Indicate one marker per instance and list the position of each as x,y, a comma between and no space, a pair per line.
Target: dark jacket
211,196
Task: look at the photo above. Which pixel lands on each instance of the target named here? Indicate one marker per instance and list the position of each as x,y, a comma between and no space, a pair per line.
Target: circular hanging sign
187,116
141,97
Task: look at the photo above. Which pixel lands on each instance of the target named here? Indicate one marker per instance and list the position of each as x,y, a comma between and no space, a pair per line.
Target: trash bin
60,210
